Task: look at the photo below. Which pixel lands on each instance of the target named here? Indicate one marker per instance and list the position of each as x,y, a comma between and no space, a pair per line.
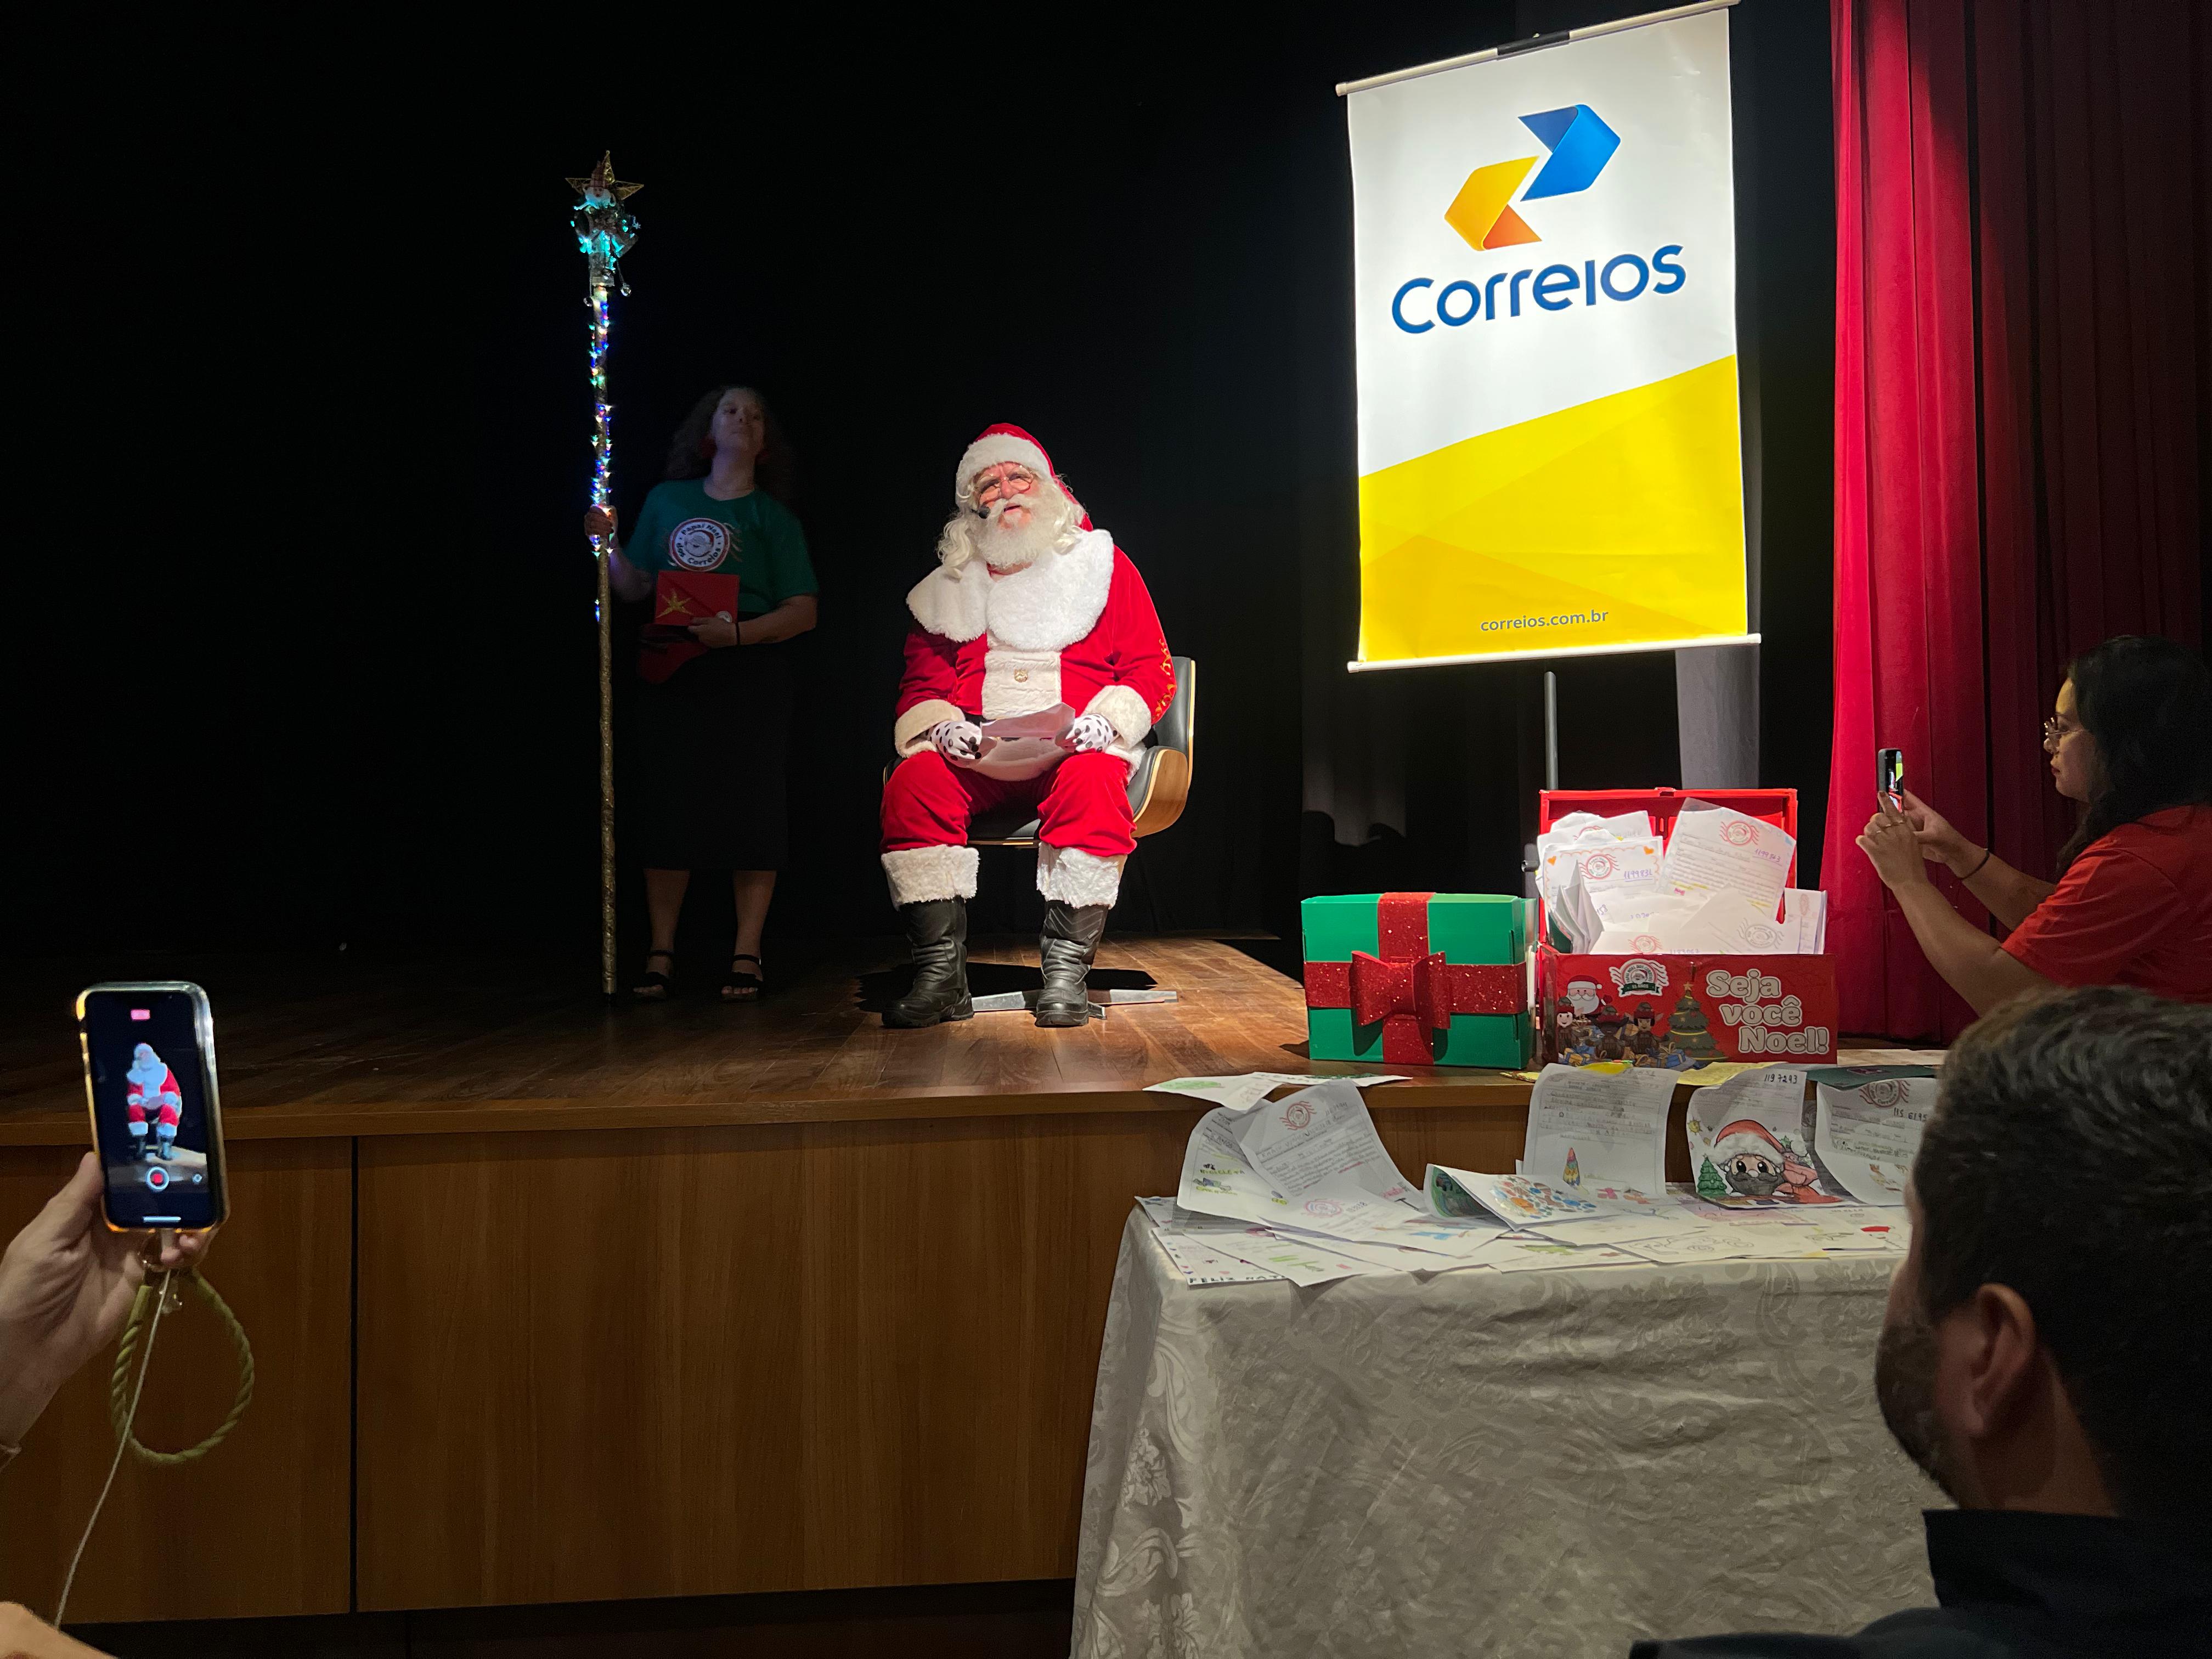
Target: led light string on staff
605,230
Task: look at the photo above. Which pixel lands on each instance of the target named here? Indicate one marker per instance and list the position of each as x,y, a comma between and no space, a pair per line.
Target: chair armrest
1167,790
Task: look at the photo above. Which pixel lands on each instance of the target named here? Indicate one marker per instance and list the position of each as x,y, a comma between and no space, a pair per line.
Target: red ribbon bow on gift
1411,990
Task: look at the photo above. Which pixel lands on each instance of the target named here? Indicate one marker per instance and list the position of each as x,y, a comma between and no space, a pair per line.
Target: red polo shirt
2136,909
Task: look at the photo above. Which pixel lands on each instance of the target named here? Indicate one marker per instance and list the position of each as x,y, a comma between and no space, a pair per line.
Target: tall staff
605,230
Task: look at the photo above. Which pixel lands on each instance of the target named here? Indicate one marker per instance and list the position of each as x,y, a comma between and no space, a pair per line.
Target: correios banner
1550,458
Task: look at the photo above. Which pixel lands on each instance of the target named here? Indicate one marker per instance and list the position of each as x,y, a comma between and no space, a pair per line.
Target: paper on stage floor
1715,850
1312,1160
1868,1134
1240,1092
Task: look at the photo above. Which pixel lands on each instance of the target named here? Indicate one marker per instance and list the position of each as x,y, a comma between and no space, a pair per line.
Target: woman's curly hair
691,450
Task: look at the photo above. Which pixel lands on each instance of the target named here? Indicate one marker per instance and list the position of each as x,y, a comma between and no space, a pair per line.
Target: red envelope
681,598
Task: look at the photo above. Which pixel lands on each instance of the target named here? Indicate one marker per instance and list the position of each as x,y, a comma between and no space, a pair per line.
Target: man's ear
1990,1362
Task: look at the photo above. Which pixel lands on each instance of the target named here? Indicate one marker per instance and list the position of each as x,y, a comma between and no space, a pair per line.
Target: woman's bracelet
1977,869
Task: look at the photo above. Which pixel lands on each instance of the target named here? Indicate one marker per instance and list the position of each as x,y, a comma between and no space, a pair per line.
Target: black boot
937,933
1068,947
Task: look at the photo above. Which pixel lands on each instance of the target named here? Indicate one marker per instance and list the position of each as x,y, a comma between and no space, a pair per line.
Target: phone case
203,1035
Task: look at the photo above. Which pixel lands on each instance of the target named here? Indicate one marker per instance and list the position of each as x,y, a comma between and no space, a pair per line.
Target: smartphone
156,1122
1889,777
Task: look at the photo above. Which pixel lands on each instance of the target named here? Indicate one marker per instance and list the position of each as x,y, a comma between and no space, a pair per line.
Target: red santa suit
152,1084
1074,627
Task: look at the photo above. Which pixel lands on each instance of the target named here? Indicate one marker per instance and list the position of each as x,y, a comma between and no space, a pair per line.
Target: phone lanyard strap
119,1393
1977,869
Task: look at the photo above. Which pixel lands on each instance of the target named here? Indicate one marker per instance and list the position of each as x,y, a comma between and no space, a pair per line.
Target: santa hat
1748,1134
998,445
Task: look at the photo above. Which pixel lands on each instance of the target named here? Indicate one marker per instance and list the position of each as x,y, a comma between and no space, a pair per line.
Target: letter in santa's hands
1714,850
1867,1130
1599,1135
1022,745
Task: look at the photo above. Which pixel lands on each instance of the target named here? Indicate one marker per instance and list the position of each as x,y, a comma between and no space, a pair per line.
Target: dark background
303,649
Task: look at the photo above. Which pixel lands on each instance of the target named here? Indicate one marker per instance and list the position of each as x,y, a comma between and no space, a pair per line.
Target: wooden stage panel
259,1525
702,1362
570,1386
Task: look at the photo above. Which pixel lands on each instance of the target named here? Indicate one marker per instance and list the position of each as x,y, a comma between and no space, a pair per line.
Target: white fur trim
1044,606
1077,878
1125,711
910,731
999,447
919,874
1019,682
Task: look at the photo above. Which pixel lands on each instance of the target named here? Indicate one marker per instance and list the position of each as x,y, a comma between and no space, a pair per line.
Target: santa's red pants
1083,803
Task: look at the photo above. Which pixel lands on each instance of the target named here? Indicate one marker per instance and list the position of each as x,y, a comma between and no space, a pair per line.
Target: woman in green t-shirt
714,718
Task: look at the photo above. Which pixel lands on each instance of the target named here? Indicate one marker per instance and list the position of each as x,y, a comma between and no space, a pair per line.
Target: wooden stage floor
455,1047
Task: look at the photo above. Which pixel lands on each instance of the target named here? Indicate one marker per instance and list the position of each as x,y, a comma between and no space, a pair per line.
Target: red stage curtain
2020,328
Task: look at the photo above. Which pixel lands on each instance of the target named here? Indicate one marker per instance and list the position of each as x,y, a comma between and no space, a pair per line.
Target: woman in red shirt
2132,740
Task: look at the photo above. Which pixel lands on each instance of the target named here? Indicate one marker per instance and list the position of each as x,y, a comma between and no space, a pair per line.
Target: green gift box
1418,979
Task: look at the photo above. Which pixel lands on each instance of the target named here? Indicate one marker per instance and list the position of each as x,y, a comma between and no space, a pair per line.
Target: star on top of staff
603,184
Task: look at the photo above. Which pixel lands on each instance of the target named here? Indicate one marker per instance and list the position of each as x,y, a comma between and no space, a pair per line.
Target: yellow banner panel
1609,523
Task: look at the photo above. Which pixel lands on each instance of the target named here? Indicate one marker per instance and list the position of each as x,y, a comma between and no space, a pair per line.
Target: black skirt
708,746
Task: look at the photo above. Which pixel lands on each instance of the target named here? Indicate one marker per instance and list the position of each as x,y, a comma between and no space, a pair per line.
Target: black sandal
654,985
744,987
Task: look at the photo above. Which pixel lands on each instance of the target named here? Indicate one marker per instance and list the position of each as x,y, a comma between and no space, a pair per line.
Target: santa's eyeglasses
1014,483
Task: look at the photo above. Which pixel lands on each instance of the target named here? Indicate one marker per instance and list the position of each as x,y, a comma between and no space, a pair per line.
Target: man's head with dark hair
2048,1341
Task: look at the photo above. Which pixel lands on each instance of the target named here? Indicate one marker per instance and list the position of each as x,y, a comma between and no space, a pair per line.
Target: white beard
1051,526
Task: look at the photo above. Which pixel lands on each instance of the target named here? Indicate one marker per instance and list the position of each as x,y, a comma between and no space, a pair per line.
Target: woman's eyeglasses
2055,732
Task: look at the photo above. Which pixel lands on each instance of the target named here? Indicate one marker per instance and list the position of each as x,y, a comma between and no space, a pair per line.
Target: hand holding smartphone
150,1082
1889,778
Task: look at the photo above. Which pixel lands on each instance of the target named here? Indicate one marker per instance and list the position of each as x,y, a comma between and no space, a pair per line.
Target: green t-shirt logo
699,544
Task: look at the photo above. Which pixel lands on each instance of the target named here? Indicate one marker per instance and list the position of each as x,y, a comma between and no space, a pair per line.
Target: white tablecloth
1539,1463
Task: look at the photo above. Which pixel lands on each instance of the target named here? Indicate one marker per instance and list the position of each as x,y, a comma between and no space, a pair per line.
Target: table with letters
1553,1462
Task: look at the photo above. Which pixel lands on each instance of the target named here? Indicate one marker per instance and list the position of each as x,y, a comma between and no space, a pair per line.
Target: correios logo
1483,215
1581,145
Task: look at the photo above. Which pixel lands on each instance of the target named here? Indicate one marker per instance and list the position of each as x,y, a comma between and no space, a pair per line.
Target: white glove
1088,732
957,740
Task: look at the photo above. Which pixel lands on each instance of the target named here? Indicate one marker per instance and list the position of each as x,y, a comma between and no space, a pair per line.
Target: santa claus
153,1087
1030,611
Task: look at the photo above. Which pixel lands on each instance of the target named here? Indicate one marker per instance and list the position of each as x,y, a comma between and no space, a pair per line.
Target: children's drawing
1755,1163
